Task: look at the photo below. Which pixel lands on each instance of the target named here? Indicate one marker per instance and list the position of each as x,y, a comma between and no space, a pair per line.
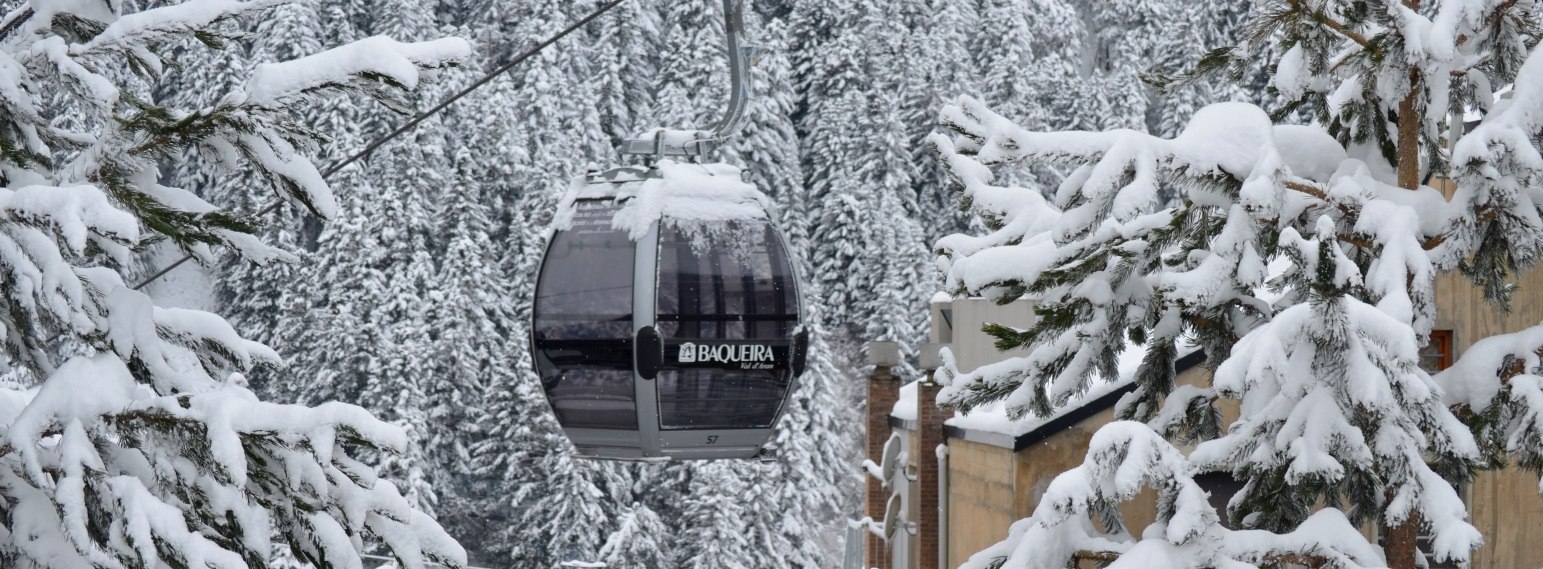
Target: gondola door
727,313
583,332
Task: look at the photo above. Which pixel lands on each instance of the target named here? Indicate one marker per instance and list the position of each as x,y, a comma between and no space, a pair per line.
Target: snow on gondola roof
684,193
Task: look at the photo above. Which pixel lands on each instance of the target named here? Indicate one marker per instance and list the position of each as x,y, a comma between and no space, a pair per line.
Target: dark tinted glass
732,284
727,306
583,322
702,398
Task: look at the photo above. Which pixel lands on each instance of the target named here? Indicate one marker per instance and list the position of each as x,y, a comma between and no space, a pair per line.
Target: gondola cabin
666,320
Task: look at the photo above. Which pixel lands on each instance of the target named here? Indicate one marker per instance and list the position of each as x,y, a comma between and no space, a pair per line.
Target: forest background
413,302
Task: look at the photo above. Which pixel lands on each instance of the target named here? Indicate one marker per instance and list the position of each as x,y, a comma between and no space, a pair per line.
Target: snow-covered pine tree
139,446
866,235
939,38
1302,260
635,543
627,49
472,311
1004,51
714,518
526,463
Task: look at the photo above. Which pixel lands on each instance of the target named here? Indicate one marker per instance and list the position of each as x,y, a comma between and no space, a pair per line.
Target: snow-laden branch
1125,458
140,446
1306,276
376,58
1301,259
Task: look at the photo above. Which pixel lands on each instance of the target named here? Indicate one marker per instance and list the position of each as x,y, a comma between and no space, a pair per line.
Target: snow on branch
1123,459
140,446
377,58
1500,378
1497,167
1306,275
1476,378
128,33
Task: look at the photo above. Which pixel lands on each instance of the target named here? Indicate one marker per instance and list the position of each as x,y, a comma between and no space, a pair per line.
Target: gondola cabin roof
689,195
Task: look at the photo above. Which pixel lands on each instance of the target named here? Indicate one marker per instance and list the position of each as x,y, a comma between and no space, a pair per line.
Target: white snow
1308,152
1290,78
691,196
1232,137
274,83
994,417
1474,379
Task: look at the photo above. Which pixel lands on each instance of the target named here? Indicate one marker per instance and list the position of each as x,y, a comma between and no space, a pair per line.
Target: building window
1437,354
1221,486
1434,357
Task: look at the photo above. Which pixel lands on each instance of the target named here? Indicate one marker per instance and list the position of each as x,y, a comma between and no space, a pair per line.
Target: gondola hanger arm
694,144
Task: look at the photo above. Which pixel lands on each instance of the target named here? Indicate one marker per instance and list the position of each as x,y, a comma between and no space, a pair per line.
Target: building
956,483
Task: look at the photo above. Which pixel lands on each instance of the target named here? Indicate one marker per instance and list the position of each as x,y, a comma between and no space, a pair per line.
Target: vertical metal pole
943,507
853,557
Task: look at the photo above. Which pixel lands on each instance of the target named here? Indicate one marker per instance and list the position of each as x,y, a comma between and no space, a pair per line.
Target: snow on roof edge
996,430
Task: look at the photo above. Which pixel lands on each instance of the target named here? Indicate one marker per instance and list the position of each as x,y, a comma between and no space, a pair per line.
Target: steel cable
413,123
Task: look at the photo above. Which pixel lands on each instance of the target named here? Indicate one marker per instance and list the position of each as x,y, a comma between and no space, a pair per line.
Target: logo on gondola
749,356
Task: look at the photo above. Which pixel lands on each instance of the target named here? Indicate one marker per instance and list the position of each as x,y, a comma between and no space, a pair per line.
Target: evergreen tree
714,521
1301,267
140,446
929,56
525,461
635,543
859,172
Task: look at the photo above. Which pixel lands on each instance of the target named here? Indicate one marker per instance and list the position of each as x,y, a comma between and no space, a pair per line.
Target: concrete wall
960,327
990,487
1505,505
981,497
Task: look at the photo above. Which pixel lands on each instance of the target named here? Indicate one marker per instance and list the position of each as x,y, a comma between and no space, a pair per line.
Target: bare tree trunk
1409,123
1400,540
1400,543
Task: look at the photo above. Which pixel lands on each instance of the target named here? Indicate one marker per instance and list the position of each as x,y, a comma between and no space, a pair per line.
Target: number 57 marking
712,439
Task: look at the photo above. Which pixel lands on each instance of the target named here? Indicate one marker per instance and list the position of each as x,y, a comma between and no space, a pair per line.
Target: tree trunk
1400,540
1400,543
1409,121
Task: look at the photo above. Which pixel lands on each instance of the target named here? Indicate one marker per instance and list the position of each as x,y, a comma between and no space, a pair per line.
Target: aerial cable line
413,123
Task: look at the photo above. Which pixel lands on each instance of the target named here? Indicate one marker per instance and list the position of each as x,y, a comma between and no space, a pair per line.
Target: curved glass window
583,322
727,308
733,283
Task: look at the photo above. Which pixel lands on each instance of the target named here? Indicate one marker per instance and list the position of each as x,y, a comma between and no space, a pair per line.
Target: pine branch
1288,559
1331,23
16,21
1492,20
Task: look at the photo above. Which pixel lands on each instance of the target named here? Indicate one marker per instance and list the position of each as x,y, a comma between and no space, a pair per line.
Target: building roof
990,425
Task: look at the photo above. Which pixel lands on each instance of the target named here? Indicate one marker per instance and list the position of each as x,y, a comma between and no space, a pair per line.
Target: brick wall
883,391
930,424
